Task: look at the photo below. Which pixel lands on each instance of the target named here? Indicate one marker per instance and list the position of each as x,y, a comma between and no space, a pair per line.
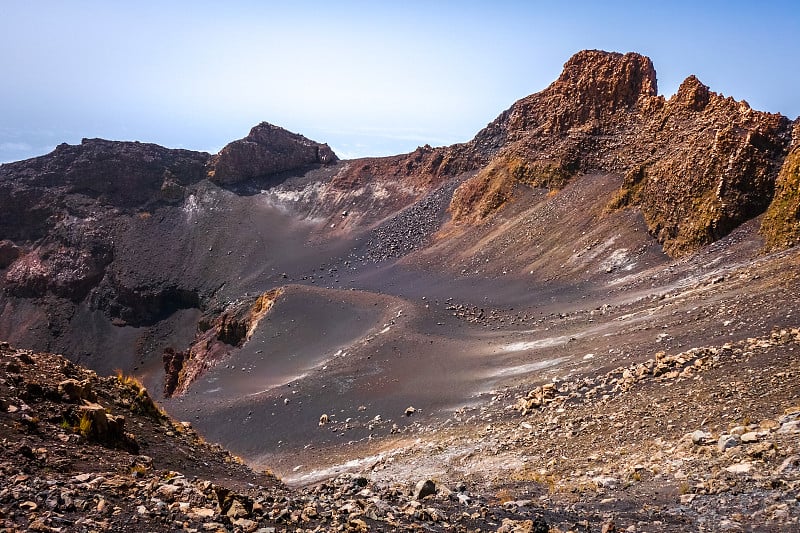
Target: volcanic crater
563,320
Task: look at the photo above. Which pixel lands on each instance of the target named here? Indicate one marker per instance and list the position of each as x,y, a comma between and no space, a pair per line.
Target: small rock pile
662,367
539,397
407,231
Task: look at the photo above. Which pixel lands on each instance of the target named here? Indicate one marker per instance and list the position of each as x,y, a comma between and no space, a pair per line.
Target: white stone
700,437
606,482
740,468
749,437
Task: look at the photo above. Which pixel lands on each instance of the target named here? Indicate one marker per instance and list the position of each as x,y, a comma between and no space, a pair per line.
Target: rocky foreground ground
703,440
85,453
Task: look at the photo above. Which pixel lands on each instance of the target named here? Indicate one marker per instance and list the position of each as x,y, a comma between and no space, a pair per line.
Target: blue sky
369,78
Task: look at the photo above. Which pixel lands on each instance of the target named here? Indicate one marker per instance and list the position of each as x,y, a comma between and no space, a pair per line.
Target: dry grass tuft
85,425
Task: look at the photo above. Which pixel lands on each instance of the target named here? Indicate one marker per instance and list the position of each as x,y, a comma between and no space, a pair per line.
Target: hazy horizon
368,79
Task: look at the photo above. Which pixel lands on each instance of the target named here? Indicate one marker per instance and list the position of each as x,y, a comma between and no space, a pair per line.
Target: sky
370,78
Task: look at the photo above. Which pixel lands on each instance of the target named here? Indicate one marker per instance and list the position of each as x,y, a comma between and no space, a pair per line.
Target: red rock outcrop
217,336
66,272
266,150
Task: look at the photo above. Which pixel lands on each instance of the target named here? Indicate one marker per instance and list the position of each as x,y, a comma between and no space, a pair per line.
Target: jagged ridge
697,165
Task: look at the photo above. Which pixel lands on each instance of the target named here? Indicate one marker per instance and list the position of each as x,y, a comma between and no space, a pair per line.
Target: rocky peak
607,78
697,165
594,88
692,94
267,150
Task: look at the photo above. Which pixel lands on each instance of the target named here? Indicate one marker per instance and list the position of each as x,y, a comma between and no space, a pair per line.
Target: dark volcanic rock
8,253
66,272
424,488
408,230
142,305
67,263
173,364
265,151
123,174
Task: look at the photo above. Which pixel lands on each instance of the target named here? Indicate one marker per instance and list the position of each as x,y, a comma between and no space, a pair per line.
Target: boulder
728,441
237,510
700,437
72,390
424,488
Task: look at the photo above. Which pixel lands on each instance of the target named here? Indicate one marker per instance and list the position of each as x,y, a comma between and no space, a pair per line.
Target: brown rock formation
420,168
265,151
593,88
697,164
173,364
714,167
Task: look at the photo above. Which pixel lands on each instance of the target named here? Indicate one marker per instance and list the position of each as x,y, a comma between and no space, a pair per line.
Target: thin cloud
15,147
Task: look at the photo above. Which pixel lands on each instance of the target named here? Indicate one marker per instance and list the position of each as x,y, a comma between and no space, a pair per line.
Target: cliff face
714,166
697,165
123,174
57,211
781,224
594,92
